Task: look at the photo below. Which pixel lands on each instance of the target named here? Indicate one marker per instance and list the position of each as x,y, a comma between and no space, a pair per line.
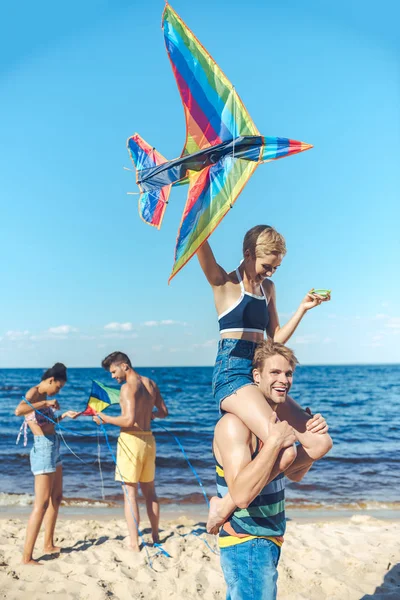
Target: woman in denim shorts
44,457
246,306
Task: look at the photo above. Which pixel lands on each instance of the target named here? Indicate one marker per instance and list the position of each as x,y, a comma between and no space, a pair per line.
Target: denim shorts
233,368
45,454
250,570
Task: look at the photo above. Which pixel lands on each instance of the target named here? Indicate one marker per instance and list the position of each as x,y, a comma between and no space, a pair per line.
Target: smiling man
136,450
254,475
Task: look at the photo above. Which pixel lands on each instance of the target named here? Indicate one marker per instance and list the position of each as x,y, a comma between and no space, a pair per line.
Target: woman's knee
42,505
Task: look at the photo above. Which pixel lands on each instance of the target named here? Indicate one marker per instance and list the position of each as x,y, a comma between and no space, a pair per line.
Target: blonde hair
269,348
263,239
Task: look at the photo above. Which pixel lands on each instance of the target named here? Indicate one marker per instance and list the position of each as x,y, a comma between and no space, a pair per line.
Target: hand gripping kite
223,146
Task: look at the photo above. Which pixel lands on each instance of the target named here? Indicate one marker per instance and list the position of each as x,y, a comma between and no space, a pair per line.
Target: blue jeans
250,570
233,368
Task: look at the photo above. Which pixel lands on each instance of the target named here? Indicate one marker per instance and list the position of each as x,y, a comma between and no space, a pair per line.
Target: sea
360,403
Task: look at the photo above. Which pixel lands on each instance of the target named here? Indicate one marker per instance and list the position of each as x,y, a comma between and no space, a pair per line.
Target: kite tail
153,199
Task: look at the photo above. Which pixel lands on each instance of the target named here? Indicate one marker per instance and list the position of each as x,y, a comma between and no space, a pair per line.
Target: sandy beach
338,558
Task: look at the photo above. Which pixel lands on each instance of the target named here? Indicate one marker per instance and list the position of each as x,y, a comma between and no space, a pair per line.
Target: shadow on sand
390,588
82,545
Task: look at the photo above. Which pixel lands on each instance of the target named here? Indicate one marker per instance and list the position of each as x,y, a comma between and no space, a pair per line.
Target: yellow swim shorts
136,457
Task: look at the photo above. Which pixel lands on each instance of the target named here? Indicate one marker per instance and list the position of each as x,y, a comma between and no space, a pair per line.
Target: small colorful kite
101,397
223,146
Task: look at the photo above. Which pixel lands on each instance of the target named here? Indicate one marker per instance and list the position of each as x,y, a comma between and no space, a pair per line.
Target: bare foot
31,562
52,549
156,538
134,547
214,520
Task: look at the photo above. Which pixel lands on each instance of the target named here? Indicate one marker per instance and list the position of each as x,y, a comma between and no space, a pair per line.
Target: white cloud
62,330
163,322
327,340
157,348
119,326
16,335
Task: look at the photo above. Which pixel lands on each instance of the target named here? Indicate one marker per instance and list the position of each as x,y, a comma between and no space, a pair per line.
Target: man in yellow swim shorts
136,450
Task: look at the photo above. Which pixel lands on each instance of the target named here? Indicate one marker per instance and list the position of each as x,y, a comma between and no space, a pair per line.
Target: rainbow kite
223,146
101,397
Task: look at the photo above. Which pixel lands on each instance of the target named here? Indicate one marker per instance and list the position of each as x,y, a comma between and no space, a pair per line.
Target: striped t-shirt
264,517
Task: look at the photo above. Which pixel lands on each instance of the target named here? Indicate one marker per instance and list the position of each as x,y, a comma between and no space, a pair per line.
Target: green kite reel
323,293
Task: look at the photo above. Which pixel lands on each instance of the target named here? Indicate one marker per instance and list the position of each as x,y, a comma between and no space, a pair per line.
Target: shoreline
199,512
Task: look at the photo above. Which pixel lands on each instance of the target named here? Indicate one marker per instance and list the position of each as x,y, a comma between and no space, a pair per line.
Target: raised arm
159,403
284,333
215,274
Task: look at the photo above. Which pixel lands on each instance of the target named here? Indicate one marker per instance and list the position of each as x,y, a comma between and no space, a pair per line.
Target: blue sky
81,275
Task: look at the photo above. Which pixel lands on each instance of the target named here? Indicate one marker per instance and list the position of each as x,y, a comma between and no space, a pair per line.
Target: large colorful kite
223,146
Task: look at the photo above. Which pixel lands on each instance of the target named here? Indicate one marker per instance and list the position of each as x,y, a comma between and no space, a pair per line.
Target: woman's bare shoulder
33,394
268,287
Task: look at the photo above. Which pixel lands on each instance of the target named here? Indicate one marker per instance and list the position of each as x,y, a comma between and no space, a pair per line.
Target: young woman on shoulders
246,305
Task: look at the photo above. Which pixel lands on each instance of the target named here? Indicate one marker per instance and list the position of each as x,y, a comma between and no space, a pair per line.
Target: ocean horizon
360,402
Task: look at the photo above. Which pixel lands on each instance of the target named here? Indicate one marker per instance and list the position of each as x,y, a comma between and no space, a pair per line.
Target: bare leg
250,405
152,507
132,514
43,485
316,446
50,517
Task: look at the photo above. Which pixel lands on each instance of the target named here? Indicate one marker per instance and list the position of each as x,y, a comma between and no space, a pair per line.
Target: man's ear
256,376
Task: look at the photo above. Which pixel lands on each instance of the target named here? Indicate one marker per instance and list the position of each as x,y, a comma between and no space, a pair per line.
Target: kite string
56,423
124,487
69,448
114,460
188,461
99,462
198,480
